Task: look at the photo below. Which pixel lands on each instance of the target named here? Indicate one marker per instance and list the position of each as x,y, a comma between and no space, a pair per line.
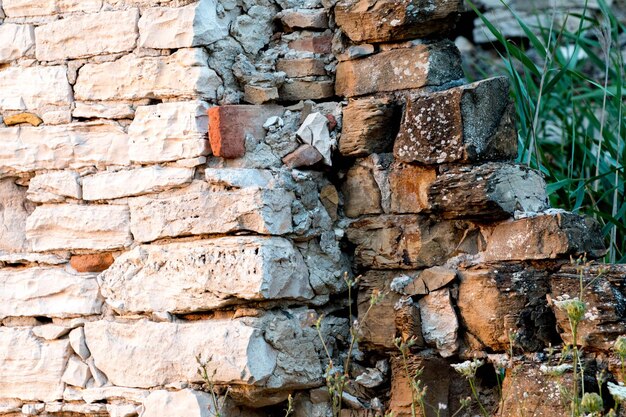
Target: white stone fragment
206,274
111,185
31,369
144,354
34,87
197,210
78,145
16,41
186,402
13,214
169,132
184,75
51,331
77,341
439,322
50,292
85,35
24,8
57,117
33,409
75,408
54,187
181,27
9,405
71,226
77,373
314,131
190,162
122,410
27,258
239,177
106,110
91,395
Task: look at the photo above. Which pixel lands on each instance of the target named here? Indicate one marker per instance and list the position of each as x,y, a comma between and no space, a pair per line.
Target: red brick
228,126
95,262
316,44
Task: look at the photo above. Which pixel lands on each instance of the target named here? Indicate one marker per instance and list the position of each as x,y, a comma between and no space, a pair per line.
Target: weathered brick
306,89
304,18
301,67
320,44
418,66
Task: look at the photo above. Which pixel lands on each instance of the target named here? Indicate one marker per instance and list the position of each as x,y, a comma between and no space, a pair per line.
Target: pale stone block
34,87
103,110
86,35
184,75
13,215
49,292
145,354
77,373
71,226
54,187
51,331
205,274
169,131
181,27
78,145
77,341
111,185
27,8
31,369
84,6
197,209
187,402
16,41
440,325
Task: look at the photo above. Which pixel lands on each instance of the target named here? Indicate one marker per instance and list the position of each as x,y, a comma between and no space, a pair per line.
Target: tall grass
568,90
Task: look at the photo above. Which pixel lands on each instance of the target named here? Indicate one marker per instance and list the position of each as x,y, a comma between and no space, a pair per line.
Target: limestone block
77,373
168,132
182,75
111,185
439,322
71,226
543,236
196,210
74,146
145,354
489,191
392,20
48,292
108,110
181,27
77,341
186,402
303,67
471,123
34,87
409,241
369,126
54,187
205,274
29,8
85,35
13,214
31,369
16,41
417,66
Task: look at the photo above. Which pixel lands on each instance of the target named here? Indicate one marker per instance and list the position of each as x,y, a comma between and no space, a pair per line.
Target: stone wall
184,178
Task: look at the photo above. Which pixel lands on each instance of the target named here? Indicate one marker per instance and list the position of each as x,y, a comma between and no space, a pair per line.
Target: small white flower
468,368
442,406
617,391
555,370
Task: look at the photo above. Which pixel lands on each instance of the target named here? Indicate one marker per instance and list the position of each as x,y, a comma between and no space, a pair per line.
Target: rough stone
54,187
26,118
295,89
437,277
544,236
409,187
207,274
153,179
75,146
256,94
28,8
95,262
254,29
48,292
182,75
77,341
418,66
305,156
181,27
29,368
229,125
304,18
303,67
314,43
314,131
464,124
77,373
392,20
197,210
16,41
13,212
164,353
86,35
439,322
168,132
109,110
50,331
492,190
409,241
370,126
71,226
362,194
32,88
191,403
